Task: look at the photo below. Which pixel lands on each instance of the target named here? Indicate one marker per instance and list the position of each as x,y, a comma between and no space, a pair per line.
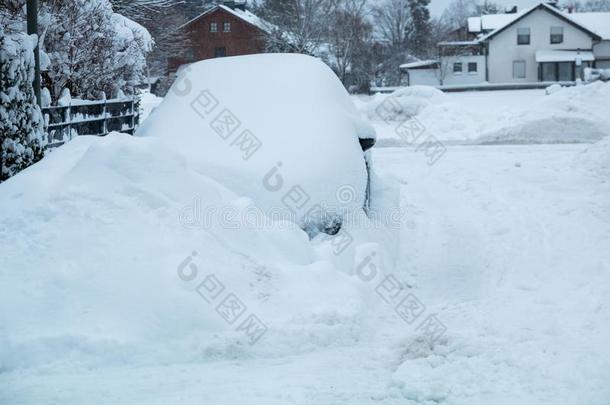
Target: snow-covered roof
244,15
495,21
419,63
475,42
598,22
474,24
248,17
549,55
498,22
595,22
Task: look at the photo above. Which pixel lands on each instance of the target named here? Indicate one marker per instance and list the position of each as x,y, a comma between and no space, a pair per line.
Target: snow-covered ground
509,245
506,248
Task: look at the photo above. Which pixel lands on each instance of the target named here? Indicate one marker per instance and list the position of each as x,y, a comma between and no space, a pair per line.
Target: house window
220,52
472,67
457,67
226,27
557,71
523,36
556,35
519,69
213,27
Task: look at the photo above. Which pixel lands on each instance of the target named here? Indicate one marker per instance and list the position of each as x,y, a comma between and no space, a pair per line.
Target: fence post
68,116
104,123
133,114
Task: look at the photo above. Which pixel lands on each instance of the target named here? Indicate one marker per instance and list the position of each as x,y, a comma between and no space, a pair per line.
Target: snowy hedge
21,126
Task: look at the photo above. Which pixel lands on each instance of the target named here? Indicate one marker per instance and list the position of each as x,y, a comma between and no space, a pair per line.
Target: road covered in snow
501,259
508,245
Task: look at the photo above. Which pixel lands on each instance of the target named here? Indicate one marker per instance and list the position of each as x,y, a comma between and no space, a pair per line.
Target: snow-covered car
279,129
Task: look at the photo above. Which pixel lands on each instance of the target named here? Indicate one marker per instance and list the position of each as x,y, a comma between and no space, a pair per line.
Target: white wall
503,48
431,77
424,77
602,50
465,77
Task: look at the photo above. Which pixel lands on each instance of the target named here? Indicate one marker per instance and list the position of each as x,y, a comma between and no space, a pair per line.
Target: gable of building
244,16
516,18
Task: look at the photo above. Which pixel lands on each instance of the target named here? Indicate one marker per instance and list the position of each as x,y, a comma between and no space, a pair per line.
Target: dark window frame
220,52
524,39
461,68
556,38
476,67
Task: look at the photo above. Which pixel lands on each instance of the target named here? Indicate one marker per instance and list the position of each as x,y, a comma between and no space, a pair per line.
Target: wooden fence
98,118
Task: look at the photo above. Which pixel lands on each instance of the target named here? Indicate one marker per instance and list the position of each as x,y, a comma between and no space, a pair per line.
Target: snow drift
566,115
96,239
91,243
404,103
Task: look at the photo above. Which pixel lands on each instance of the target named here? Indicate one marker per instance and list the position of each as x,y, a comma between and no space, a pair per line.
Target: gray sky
437,6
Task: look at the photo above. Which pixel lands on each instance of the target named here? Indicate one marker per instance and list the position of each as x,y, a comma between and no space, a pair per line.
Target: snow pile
107,241
553,88
572,115
596,158
98,243
250,125
405,103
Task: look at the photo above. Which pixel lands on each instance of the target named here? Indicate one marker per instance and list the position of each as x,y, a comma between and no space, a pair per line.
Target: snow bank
92,243
105,243
405,103
572,115
280,129
553,129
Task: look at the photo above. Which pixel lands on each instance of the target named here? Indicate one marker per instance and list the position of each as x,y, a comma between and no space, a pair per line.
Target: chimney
236,4
553,3
510,10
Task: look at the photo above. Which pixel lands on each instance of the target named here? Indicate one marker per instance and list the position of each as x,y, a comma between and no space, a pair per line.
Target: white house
539,44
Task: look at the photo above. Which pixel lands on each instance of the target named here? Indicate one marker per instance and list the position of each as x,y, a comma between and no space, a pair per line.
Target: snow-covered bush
21,127
86,47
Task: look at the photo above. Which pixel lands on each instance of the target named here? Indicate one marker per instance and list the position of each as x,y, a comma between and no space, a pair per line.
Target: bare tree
457,13
348,36
588,5
299,25
392,20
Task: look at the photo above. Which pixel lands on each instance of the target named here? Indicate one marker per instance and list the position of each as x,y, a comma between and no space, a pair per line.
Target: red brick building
224,30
